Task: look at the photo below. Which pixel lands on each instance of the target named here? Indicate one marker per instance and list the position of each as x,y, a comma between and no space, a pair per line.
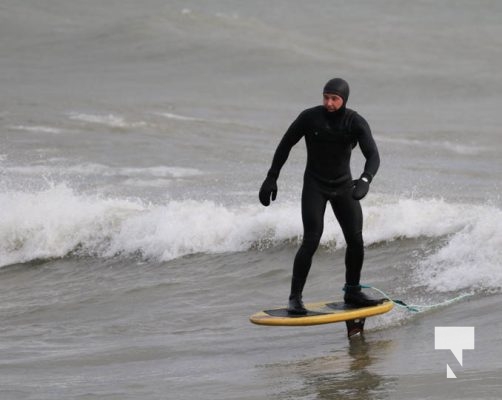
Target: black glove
362,185
268,189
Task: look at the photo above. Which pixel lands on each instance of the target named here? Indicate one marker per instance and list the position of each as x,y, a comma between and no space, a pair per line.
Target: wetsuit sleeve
292,136
367,145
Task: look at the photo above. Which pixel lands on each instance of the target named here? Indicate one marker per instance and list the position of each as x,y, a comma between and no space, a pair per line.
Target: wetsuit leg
313,209
350,217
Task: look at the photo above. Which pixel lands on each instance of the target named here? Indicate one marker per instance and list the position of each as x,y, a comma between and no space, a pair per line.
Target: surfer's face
332,102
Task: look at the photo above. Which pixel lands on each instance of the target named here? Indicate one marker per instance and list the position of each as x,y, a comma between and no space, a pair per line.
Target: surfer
331,131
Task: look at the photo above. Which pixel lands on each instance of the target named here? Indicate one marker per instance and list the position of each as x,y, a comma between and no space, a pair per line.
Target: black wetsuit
330,138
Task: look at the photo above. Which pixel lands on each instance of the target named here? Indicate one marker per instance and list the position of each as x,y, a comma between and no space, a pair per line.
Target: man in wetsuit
331,131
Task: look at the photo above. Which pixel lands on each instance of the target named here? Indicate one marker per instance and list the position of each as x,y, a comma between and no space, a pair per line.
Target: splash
471,258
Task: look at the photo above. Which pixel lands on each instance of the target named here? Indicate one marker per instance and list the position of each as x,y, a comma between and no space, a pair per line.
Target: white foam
89,169
35,128
389,219
160,172
57,221
464,149
111,120
147,183
178,117
471,258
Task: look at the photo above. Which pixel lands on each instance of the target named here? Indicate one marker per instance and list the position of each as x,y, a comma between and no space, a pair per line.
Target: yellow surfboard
322,313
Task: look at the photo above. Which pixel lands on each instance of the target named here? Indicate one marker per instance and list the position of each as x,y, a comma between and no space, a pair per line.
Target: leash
417,307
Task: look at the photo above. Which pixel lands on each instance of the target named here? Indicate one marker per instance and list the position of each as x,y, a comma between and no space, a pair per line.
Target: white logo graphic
456,339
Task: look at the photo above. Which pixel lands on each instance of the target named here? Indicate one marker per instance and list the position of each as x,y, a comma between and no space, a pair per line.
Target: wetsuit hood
339,87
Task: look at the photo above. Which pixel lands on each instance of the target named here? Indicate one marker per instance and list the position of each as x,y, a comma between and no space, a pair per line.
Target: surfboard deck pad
322,313
312,310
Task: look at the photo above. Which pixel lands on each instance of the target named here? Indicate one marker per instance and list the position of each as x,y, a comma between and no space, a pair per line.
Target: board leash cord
416,307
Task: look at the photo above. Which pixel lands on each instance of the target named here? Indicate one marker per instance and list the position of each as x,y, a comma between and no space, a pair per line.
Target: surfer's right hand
268,190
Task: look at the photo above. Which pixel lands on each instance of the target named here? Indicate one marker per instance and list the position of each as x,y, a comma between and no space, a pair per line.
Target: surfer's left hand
362,186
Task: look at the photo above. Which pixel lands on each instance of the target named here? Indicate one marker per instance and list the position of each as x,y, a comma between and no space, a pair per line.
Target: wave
90,169
35,128
110,120
471,257
468,258
57,222
179,117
